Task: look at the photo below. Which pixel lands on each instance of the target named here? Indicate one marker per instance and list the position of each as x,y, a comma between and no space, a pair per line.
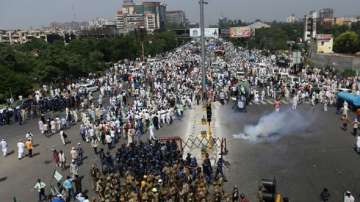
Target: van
89,87
284,75
294,79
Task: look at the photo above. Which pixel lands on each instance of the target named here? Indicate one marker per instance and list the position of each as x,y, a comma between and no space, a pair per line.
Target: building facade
345,20
148,15
326,13
291,19
324,43
310,26
21,36
176,17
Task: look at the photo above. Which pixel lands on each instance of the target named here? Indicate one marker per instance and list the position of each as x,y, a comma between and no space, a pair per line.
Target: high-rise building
310,26
326,13
148,15
150,21
176,17
291,19
120,21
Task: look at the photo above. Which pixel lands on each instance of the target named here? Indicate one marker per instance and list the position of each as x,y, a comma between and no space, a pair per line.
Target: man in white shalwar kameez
41,127
295,102
4,147
151,131
21,149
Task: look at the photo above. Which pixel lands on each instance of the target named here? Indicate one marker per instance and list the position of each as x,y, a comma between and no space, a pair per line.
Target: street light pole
202,38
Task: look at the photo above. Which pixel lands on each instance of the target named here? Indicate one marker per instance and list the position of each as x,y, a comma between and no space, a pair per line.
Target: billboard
240,32
209,32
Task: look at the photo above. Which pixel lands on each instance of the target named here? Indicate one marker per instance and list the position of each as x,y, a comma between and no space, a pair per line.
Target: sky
35,13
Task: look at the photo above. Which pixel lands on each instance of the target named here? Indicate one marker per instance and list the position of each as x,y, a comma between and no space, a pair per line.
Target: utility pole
202,38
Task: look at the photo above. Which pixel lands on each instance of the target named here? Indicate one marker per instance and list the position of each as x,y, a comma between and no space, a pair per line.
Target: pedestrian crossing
268,102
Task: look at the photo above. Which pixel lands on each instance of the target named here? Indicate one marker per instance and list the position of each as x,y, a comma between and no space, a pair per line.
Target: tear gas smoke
272,127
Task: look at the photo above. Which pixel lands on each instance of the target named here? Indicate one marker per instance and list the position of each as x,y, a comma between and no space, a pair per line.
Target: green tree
347,42
22,70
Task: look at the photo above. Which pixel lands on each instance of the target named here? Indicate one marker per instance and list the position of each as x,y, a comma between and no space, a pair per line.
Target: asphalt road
303,163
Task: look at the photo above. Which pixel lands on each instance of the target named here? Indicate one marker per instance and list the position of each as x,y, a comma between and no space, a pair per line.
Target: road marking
269,101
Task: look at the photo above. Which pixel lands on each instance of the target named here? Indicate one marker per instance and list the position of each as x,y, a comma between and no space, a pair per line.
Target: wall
339,61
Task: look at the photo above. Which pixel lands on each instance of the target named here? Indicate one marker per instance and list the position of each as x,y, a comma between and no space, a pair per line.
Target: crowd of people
265,79
140,99
133,99
156,171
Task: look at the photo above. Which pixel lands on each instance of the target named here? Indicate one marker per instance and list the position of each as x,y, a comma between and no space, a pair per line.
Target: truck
352,99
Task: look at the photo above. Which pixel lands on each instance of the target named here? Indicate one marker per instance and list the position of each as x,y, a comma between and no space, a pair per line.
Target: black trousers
30,153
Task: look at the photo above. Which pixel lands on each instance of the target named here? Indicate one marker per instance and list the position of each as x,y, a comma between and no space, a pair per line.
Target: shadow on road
3,179
47,162
36,154
11,152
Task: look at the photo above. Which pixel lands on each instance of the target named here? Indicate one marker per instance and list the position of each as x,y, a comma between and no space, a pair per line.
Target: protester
4,147
63,137
94,144
74,168
355,124
40,188
68,188
243,198
21,149
325,195
348,197
62,160
56,159
74,153
29,147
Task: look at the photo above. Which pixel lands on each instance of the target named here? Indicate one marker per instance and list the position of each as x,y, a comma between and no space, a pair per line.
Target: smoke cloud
272,127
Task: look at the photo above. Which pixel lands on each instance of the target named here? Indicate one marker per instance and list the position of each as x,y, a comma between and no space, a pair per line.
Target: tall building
310,26
120,21
176,17
148,15
159,10
291,19
326,13
100,23
150,21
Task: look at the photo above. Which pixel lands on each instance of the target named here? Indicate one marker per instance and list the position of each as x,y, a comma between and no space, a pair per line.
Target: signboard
209,32
240,32
324,37
57,176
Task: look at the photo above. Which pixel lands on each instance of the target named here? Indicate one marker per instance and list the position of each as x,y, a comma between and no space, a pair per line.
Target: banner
209,32
240,32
